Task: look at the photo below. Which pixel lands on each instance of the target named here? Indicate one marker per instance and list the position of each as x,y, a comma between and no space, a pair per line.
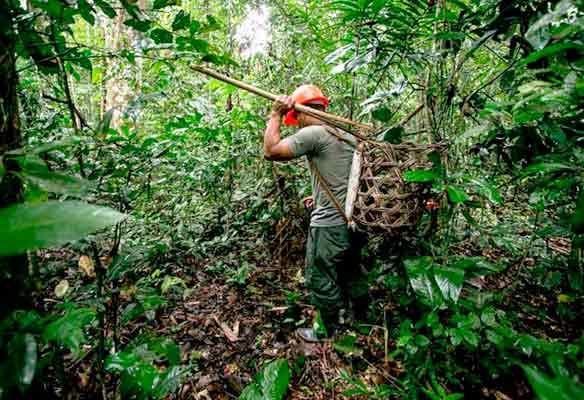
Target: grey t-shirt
333,159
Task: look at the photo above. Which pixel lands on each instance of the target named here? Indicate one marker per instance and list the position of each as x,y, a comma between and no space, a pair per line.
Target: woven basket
378,199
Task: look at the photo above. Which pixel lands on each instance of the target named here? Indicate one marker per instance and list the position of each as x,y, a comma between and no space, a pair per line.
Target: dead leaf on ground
86,265
61,289
231,334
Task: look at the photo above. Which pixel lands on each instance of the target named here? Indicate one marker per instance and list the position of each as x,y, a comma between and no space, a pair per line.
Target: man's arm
276,149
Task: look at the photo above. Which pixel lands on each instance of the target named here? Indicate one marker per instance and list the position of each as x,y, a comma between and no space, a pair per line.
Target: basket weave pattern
385,202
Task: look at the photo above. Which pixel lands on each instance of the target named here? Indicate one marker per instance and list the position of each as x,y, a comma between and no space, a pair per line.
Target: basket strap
333,132
328,190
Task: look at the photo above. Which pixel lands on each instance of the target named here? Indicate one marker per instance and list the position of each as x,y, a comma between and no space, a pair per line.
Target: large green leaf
449,281
19,366
419,270
550,51
421,176
456,195
547,168
69,330
181,21
161,36
36,172
558,388
382,114
26,227
251,392
271,383
275,380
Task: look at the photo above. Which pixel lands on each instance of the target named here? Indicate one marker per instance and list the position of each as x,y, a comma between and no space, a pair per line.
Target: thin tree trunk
13,270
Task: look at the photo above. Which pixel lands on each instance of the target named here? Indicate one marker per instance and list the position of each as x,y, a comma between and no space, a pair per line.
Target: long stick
273,97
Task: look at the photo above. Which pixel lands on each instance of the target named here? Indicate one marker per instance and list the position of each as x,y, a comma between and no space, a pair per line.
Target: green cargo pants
333,273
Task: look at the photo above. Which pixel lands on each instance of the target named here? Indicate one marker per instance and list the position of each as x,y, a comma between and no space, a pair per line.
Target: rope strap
328,190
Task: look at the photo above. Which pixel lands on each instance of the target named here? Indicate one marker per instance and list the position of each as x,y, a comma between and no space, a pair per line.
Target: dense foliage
151,179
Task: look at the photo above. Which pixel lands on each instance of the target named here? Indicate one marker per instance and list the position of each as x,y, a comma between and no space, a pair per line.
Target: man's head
310,96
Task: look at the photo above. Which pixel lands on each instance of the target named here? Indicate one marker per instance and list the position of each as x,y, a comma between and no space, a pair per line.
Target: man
333,274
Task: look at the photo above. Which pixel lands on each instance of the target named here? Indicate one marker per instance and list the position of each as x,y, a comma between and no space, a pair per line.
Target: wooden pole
270,96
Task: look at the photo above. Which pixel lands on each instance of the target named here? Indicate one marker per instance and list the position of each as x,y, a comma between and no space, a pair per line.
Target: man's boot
320,329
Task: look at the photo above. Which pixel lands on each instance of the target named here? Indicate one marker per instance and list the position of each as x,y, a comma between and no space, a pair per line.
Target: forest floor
226,329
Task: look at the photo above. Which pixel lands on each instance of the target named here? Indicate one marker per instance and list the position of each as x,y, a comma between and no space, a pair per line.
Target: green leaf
106,8
129,55
181,21
86,11
488,190
56,145
469,337
547,168
346,344
275,380
550,51
36,172
38,49
211,25
577,219
456,195
165,347
69,329
558,388
419,271
25,227
106,121
382,114
449,281
199,45
145,305
420,176
161,36
141,26
422,341
18,367
158,4
394,135
271,383
251,392
170,281
194,27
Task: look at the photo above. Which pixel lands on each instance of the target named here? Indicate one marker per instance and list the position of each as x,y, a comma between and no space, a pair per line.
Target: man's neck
314,121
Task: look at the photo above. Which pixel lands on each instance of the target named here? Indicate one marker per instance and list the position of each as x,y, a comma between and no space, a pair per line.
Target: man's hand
308,203
276,149
282,105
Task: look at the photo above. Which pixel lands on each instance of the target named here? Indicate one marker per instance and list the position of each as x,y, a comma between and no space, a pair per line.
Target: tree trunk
13,270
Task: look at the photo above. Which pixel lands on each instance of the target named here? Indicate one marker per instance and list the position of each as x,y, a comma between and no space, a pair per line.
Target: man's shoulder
312,130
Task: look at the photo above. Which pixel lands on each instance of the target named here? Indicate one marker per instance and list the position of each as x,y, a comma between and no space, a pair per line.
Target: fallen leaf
61,289
86,265
227,331
203,395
